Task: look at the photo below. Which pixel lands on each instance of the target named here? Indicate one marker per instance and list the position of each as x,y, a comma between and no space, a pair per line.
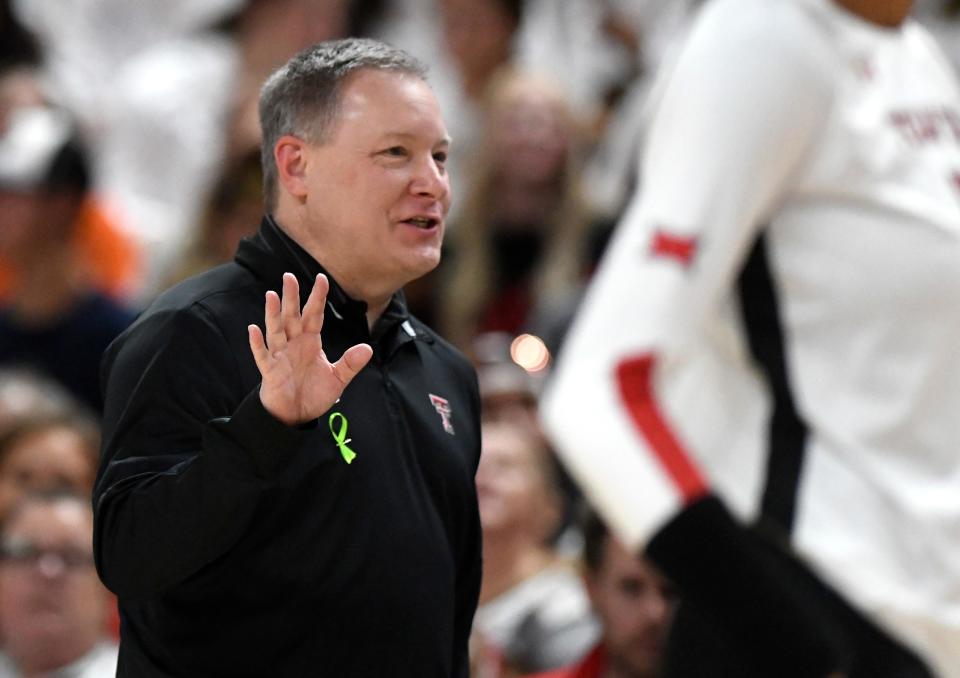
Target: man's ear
290,154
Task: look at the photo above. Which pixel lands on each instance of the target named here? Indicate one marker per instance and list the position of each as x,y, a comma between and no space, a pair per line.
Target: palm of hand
298,382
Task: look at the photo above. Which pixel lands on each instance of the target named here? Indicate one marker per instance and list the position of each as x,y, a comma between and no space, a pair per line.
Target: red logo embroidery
442,406
673,246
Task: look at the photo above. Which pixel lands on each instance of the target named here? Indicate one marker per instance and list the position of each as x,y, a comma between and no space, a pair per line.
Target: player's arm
738,117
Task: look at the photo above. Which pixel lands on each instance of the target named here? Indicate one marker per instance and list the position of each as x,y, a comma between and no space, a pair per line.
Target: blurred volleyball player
762,390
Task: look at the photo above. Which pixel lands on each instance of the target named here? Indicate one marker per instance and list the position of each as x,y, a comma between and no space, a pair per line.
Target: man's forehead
387,94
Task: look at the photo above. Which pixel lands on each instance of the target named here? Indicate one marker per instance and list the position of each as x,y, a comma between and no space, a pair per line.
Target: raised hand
298,383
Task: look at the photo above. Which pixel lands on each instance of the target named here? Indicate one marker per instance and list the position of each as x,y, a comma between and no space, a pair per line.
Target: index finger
313,310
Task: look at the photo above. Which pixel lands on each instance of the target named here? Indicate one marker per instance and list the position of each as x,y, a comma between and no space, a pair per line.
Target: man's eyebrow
443,141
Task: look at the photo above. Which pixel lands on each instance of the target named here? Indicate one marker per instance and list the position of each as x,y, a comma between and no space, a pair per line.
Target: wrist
282,415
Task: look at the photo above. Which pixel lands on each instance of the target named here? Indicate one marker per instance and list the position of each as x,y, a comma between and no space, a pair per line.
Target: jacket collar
270,253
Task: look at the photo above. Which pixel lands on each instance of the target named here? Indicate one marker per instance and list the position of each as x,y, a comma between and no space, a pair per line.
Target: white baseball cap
33,138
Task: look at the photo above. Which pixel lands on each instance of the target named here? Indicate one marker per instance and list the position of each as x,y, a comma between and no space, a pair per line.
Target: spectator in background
507,391
231,214
26,394
108,258
175,81
534,613
267,33
53,452
54,319
46,445
520,242
509,395
478,35
634,604
53,608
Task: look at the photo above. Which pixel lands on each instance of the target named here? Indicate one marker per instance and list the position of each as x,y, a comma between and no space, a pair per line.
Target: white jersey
796,135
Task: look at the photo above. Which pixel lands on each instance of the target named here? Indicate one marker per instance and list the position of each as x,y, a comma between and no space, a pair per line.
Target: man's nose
430,180
656,608
51,565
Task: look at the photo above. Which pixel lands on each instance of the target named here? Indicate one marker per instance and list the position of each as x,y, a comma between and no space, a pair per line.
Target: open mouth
425,223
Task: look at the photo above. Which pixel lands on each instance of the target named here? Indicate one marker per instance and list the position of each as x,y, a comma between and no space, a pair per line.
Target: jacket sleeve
646,407
470,550
184,454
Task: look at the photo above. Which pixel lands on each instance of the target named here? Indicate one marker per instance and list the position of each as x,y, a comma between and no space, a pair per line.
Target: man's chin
423,263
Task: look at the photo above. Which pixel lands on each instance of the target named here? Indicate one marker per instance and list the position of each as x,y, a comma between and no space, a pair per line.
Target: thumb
352,361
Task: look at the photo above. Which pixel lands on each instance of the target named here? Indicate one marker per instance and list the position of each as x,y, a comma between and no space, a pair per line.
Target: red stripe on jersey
634,376
673,246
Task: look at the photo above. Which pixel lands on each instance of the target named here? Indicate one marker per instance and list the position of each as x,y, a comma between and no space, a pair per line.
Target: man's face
48,459
635,605
52,605
478,34
34,221
511,488
529,134
18,222
377,190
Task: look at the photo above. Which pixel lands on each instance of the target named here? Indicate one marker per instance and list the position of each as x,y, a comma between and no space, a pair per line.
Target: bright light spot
529,352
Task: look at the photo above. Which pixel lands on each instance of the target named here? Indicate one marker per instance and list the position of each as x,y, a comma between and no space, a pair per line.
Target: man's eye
440,157
396,152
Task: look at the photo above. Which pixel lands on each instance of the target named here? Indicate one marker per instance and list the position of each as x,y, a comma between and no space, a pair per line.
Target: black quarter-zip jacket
238,546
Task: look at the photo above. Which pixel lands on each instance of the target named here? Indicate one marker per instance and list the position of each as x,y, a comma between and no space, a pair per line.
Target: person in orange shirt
55,319
107,256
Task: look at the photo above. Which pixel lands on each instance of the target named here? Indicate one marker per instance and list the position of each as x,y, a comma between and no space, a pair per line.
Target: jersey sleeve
737,116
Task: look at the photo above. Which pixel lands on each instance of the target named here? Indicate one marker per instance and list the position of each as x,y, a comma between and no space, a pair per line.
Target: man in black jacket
261,510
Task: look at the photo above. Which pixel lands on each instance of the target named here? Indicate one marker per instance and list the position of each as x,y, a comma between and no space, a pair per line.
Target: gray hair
302,97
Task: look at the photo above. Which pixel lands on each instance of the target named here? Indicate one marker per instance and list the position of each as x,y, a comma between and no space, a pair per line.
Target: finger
259,348
351,362
276,337
316,303
290,306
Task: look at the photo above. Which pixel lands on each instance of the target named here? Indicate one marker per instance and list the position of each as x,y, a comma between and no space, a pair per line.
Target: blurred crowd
129,159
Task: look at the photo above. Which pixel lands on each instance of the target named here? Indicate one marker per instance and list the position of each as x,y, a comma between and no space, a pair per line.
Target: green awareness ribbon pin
340,436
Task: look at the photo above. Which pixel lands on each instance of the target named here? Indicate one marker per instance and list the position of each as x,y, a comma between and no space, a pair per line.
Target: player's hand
298,383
